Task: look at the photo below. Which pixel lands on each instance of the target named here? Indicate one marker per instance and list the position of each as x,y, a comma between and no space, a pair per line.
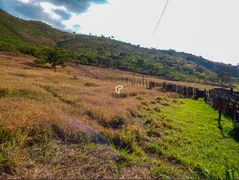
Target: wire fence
226,101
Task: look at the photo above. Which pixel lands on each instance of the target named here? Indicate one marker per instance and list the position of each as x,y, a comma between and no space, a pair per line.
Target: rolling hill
30,37
72,124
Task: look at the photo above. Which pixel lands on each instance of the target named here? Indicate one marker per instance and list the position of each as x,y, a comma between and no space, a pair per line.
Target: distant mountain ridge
29,36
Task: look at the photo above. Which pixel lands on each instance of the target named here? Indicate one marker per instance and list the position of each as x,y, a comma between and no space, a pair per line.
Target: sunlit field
70,124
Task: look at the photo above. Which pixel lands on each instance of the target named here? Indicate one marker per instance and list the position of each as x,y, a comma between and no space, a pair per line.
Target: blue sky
201,27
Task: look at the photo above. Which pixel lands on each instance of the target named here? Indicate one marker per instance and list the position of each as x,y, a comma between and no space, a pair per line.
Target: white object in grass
118,89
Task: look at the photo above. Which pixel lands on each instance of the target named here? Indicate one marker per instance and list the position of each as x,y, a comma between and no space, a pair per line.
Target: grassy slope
47,120
196,140
40,116
186,133
14,30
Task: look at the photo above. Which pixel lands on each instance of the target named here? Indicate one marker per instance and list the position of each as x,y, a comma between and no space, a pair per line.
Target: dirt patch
91,85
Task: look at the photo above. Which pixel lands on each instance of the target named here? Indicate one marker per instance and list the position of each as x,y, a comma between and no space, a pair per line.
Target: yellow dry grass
38,94
32,95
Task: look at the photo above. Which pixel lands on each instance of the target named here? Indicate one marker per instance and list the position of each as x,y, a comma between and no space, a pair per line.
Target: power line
105,1
160,19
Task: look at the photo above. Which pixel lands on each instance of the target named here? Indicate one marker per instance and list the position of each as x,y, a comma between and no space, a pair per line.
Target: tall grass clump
4,91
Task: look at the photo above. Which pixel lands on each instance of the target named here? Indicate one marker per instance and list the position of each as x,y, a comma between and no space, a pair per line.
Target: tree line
163,65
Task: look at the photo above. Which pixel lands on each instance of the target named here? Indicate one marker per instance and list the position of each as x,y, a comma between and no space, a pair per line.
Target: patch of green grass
4,91
39,144
40,62
61,96
191,137
27,94
10,148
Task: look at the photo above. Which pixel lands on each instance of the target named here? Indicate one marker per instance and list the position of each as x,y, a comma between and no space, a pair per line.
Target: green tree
224,77
82,59
105,61
57,57
140,63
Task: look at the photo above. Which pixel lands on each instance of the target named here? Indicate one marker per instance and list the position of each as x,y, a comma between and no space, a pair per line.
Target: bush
40,62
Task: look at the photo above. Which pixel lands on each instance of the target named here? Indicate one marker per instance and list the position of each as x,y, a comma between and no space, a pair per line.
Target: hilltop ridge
32,37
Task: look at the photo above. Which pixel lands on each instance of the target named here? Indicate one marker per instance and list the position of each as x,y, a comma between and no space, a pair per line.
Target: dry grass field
70,124
35,99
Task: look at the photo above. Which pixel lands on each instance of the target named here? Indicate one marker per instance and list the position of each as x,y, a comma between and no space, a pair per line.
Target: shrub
40,62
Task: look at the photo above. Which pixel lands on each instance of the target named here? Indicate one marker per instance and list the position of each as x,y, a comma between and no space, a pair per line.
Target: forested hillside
42,41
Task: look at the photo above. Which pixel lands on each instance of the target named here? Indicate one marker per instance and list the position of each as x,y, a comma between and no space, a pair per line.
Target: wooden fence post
220,111
174,88
164,85
205,95
150,85
185,91
143,79
234,109
196,94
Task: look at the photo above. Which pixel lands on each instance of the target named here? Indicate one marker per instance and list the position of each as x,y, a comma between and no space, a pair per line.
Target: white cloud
201,27
48,8
24,1
52,12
